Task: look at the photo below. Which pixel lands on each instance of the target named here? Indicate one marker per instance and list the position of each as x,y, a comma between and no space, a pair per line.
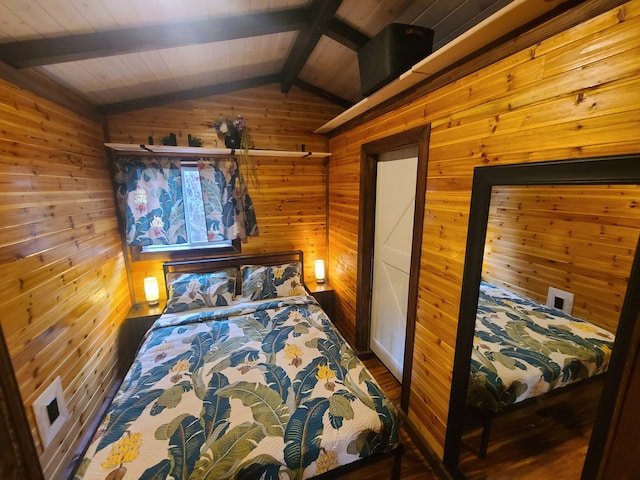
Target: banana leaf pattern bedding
266,389
523,349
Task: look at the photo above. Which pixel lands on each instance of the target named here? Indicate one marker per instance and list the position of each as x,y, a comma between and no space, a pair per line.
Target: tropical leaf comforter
523,349
265,389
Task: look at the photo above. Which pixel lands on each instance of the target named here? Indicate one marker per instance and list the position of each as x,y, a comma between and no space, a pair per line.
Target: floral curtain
154,210
229,211
150,195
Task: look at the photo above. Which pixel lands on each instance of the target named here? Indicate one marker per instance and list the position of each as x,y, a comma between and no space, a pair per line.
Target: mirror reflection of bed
581,240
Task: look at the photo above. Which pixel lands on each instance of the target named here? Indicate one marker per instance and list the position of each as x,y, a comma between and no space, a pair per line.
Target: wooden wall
572,95
580,239
64,281
290,201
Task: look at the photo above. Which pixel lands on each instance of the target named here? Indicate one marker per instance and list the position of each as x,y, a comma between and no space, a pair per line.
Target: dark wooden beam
320,12
183,95
345,34
47,51
322,93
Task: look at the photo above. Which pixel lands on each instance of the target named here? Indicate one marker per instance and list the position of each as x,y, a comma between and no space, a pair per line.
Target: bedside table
133,329
324,295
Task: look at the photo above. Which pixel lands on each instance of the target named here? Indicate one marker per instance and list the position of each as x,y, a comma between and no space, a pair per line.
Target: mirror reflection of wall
580,239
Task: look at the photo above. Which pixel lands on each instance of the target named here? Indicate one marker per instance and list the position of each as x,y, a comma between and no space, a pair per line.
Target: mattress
523,349
256,389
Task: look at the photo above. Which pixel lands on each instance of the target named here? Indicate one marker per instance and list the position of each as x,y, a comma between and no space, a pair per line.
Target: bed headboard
213,264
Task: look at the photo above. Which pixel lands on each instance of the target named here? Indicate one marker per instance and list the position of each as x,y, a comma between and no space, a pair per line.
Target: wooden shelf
202,151
505,20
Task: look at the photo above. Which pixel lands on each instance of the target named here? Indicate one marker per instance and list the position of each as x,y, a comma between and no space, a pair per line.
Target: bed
243,376
523,350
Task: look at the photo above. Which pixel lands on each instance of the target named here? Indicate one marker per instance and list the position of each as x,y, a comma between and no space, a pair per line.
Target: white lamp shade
151,291
319,270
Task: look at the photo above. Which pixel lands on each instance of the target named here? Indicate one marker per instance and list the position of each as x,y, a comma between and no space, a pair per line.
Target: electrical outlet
50,410
560,300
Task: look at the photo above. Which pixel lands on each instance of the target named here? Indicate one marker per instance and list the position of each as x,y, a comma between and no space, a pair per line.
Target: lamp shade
151,292
319,270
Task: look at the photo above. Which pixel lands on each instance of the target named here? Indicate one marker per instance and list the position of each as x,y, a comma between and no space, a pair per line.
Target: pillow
188,291
260,282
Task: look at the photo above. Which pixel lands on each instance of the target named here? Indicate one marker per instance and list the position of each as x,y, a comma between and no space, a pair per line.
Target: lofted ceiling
122,55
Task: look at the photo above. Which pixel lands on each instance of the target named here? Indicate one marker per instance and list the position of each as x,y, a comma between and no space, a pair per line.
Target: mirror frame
613,170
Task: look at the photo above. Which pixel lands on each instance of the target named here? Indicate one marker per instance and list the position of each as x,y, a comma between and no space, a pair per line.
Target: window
186,206
194,215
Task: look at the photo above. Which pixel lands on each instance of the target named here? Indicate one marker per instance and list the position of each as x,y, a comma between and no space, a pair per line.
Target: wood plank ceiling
122,55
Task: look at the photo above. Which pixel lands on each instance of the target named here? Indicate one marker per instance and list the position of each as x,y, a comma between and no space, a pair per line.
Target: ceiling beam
323,94
345,34
31,53
320,12
183,95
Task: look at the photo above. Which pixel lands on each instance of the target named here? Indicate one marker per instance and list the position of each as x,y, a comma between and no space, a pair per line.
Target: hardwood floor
545,440
414,466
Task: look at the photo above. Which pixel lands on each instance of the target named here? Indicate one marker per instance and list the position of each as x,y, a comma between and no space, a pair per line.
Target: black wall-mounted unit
393,51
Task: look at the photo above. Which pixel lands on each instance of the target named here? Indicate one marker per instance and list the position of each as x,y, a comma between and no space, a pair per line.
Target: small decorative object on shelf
232,141
235,133
195,141
170,140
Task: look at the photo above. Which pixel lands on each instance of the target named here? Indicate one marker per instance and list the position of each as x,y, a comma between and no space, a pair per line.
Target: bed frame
486,417
211,264
368,468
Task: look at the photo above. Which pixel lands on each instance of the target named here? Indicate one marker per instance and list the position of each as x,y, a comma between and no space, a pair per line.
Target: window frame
186,250
234,248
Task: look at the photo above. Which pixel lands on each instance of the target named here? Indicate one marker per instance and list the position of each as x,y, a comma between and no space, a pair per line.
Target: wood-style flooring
414,466
545,440
548,439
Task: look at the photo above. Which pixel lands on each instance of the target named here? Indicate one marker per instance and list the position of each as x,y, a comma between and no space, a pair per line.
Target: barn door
394,209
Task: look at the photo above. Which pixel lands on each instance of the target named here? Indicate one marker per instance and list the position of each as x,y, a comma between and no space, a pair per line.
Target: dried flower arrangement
237,135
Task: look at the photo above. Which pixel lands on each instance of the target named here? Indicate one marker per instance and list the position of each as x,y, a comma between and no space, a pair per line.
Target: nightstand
133,329
324,295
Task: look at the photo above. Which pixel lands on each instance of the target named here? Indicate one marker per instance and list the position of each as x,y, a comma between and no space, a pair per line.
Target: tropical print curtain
151,198
228,208
154,212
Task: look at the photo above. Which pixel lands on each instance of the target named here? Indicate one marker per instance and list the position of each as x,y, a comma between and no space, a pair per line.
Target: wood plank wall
580,239
290,202
573,95
64,282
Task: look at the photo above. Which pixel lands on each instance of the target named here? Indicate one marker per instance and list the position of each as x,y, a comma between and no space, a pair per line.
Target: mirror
572,212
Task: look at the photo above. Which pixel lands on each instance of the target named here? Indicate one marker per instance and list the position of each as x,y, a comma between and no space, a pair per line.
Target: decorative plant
237,135
234,131
195,141
170,139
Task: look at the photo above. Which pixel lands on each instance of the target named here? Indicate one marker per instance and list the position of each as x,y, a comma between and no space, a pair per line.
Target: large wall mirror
546,316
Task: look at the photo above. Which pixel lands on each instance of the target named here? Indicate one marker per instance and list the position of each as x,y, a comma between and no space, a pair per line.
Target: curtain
229,211
154,212
151,199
